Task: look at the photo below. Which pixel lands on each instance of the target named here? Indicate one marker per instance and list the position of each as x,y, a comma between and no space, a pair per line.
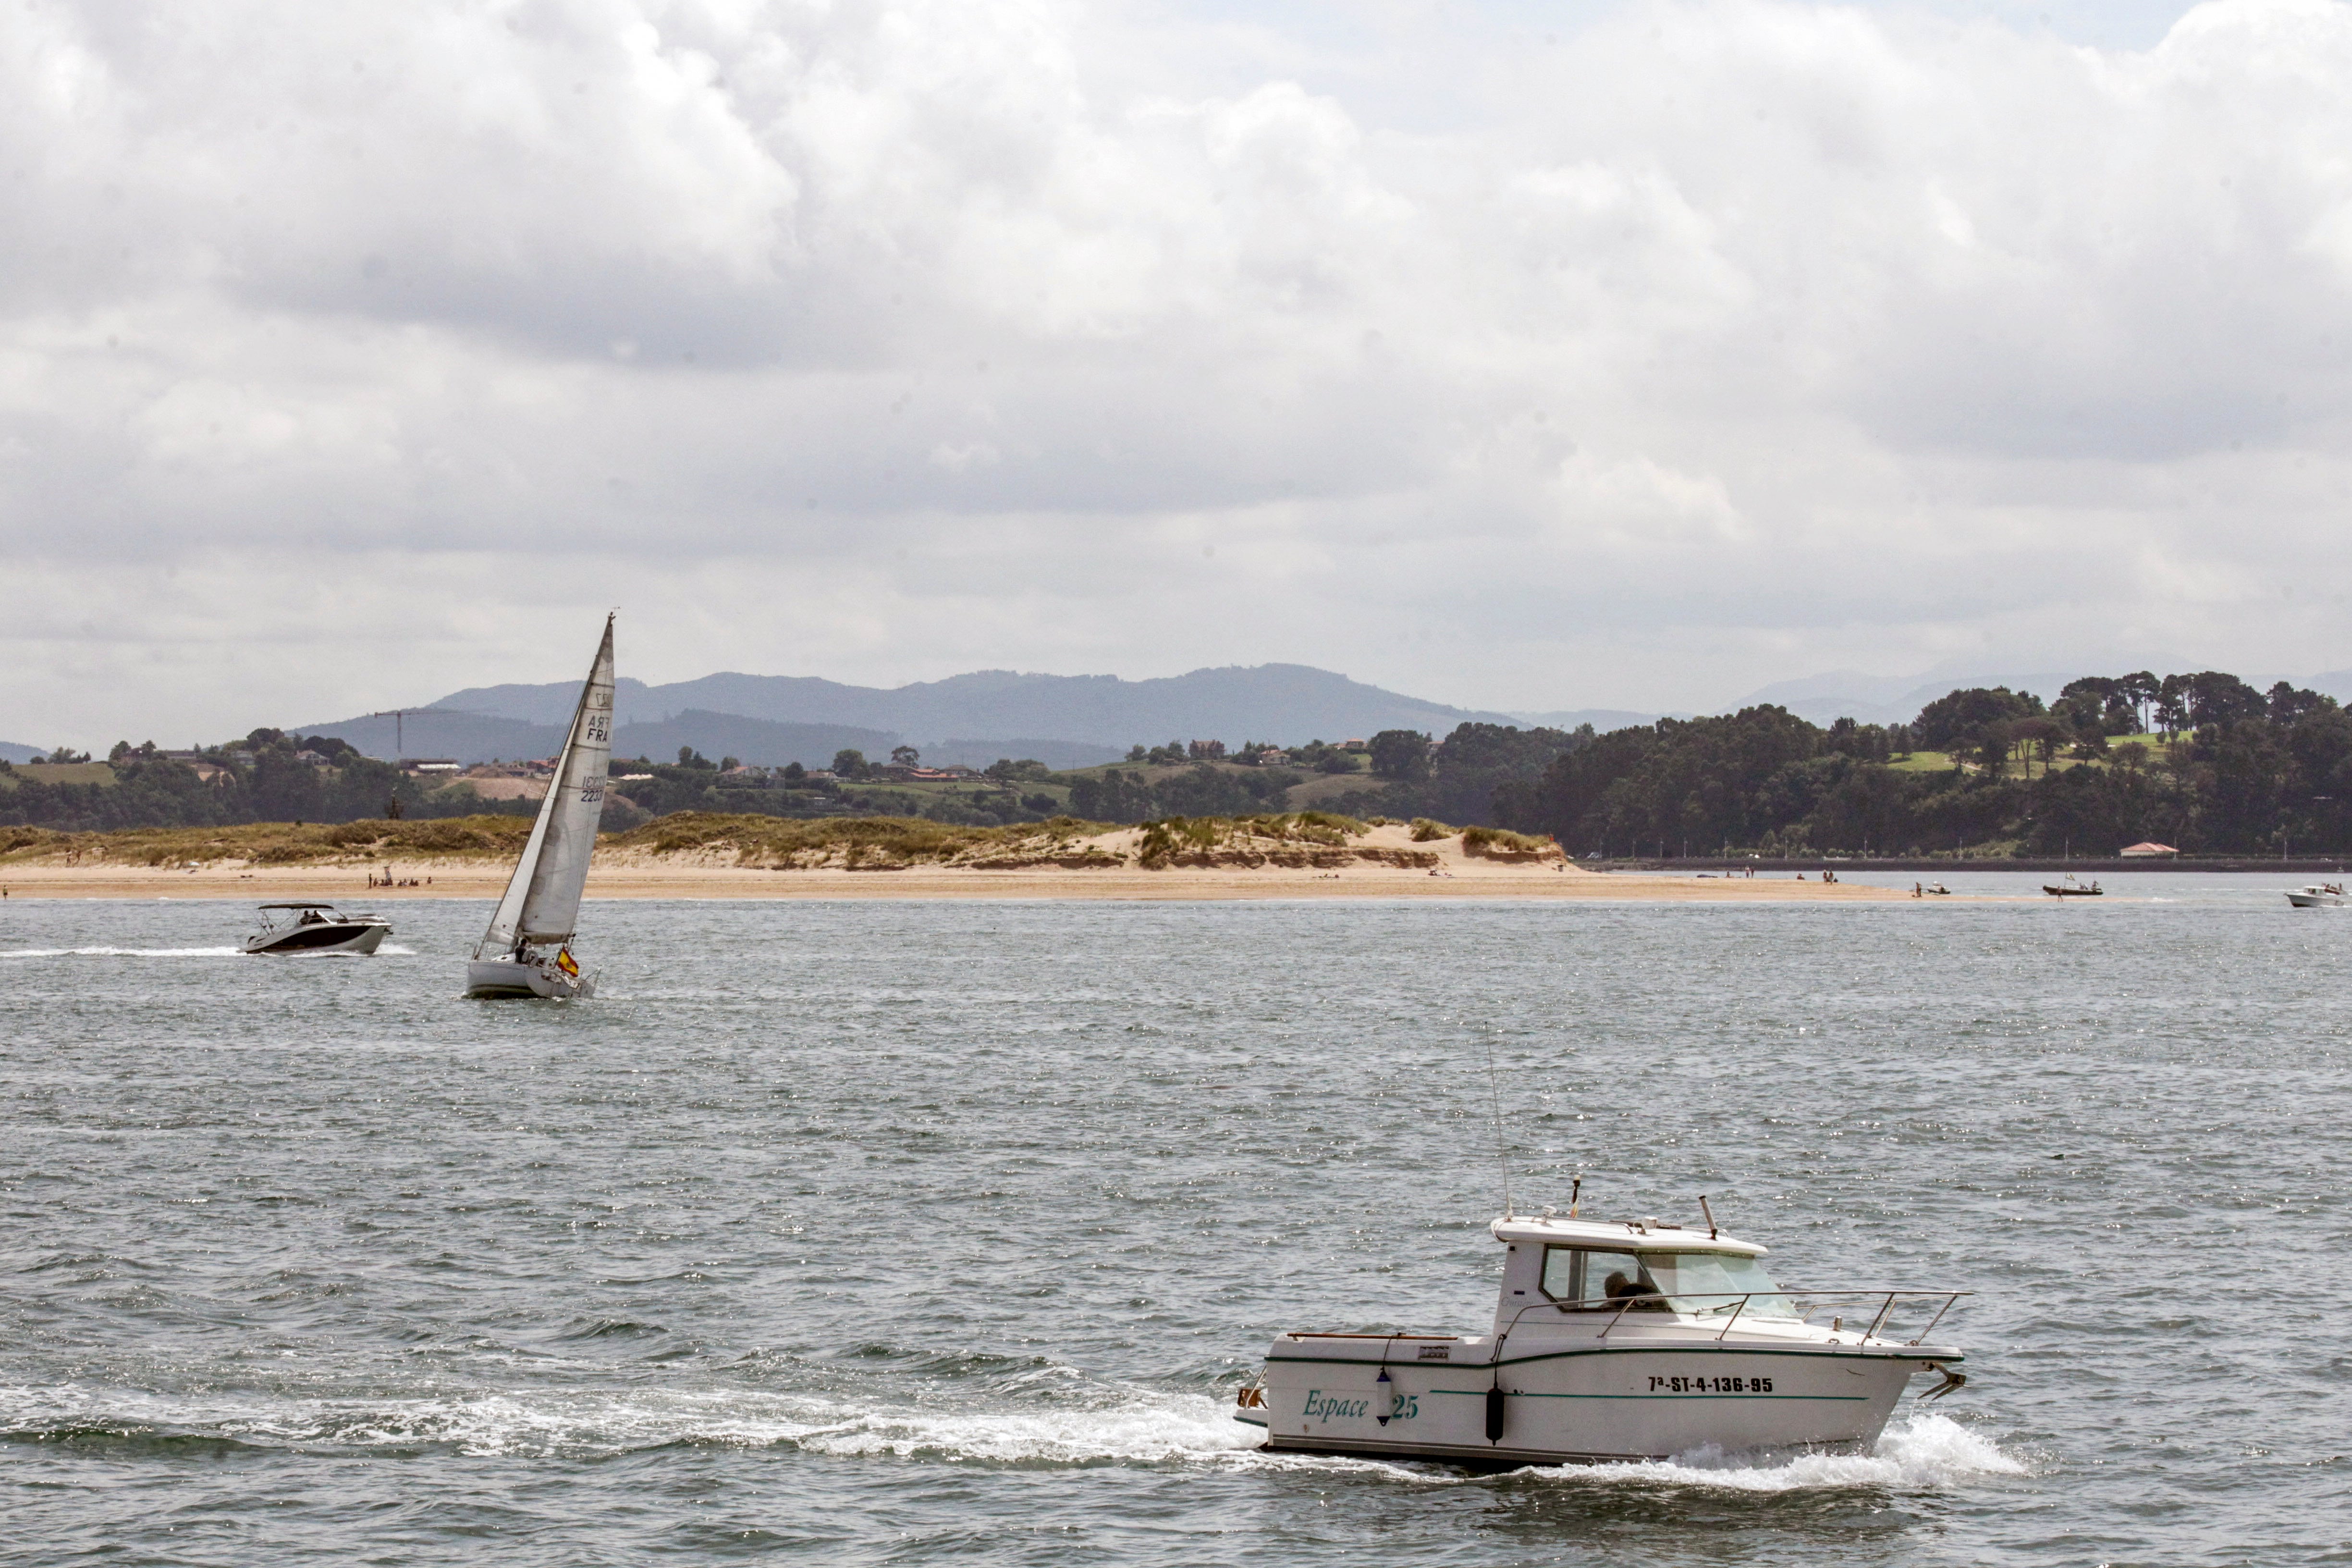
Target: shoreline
1444,871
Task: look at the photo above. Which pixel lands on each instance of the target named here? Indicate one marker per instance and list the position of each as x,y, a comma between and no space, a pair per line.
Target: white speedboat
2318,896
527,950
304,926
1611,1342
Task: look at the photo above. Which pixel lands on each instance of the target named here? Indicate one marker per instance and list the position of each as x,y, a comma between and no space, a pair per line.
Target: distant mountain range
1062,721
1070,720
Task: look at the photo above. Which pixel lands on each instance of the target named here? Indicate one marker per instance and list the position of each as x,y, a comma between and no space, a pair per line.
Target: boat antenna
1710,1215
1502,1149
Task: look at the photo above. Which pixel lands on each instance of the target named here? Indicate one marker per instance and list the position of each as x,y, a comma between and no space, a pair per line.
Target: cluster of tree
696,784
1457,780
2239,772
1323,756
262,778
1117,795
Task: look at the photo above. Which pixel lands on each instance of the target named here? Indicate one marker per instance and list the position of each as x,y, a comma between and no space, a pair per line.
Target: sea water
897,1233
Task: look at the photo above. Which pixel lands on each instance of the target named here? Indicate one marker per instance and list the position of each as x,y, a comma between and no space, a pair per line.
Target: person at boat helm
1623,1287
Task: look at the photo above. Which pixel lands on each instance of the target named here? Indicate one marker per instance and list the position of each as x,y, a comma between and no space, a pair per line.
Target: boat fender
1495,1397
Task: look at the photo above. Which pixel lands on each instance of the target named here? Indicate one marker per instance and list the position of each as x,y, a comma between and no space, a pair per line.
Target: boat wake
1931,1451
123,952
1135,1428
1139,1429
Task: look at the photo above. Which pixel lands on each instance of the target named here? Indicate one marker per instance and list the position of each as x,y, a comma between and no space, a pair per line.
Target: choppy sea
930,1233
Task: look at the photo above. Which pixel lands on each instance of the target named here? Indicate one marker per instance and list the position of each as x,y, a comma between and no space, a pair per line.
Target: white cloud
1711,343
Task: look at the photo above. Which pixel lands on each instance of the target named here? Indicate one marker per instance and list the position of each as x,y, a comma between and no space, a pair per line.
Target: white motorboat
2318,896
527,950
306,926
1611,1342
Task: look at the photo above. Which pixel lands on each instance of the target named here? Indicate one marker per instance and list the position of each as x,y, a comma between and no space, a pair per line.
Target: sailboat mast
541,901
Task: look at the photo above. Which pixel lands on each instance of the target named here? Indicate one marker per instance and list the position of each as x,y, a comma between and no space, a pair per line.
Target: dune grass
778,843
871,843
1502,844
276,843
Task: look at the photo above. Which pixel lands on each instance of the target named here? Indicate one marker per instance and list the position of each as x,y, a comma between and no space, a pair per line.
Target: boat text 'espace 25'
1612,1341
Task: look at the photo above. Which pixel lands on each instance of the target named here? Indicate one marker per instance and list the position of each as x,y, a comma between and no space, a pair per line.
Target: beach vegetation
1501,843
276,843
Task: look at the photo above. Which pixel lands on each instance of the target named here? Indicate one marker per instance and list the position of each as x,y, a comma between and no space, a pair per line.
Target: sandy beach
643,873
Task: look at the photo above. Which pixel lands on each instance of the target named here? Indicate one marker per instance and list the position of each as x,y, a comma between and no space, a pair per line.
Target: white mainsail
542,898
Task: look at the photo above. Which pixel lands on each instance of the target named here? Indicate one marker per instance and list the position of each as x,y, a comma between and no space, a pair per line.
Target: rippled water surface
942,1232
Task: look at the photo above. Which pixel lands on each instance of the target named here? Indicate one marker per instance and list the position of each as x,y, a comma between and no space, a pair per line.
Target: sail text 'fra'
526,951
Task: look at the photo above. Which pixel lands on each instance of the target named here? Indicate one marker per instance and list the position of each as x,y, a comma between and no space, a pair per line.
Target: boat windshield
1714,1284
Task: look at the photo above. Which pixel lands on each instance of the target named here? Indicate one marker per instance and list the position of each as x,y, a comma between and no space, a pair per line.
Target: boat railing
1808,1304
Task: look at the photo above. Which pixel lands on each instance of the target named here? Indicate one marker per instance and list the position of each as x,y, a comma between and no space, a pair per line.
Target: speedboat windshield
1716,1284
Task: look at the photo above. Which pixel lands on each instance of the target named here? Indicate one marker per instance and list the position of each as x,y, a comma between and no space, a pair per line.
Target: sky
1624,353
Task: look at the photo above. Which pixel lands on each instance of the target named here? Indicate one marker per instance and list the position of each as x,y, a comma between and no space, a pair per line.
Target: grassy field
57,774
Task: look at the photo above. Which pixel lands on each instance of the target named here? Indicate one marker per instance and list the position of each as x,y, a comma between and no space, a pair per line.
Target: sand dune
1366,867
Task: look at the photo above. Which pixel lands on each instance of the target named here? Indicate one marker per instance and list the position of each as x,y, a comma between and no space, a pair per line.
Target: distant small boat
2319,896
1939,890
304,926
540,907
2071,888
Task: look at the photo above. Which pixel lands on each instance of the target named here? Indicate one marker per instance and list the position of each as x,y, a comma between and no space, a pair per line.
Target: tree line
2202,762
262,778
2226,770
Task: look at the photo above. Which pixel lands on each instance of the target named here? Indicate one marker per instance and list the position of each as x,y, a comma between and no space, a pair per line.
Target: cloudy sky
1511,355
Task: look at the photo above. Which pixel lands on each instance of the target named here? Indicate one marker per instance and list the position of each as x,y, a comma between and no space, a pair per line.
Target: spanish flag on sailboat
566,962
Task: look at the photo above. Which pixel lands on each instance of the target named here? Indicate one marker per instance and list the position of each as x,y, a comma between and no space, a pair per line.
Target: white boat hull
2316,901
1574,1403
494,979
325,936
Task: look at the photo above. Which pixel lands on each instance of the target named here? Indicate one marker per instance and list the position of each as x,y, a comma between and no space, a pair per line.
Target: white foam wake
123,952
393,949
1139,1427
1930,1452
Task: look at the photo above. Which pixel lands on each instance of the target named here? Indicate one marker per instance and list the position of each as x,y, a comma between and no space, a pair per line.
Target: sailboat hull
498,979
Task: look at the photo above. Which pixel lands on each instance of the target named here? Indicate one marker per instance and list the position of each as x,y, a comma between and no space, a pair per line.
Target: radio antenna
1502,1149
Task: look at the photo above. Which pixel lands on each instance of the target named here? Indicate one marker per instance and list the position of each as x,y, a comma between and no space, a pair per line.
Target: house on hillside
2146,850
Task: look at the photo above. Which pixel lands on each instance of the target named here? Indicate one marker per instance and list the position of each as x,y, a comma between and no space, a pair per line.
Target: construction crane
399,741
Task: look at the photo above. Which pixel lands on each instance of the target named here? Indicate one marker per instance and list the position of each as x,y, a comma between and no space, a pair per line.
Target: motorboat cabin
304,926
1612,1341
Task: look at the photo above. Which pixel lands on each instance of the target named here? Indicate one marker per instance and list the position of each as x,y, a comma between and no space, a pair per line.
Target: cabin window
1583,1280
1714,1284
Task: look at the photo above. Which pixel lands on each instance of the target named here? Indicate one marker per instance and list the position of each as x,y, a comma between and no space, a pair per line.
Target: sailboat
541,909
